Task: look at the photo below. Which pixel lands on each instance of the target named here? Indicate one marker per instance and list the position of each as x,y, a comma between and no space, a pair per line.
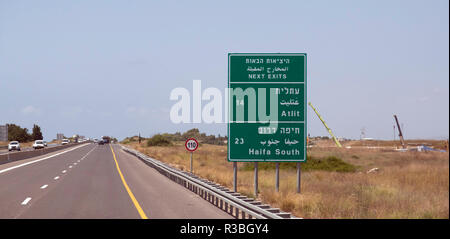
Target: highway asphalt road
94,181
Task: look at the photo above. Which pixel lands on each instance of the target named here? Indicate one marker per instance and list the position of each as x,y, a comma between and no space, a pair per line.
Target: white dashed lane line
26,201
38,160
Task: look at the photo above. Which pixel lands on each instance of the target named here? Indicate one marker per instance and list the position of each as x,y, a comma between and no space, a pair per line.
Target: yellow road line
135,202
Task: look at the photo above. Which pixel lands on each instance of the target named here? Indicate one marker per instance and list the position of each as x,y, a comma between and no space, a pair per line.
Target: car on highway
14,145
38,144
65,141
101,142
45,143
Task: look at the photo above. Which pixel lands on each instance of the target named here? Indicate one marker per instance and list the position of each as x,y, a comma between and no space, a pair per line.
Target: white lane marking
38,160
88,153
56,178
26,201
44,186
78,161
64,171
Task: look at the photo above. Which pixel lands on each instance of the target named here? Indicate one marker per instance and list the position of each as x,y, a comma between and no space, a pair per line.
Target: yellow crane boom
323,122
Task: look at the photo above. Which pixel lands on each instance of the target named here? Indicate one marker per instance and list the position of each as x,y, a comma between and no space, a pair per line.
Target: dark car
101,142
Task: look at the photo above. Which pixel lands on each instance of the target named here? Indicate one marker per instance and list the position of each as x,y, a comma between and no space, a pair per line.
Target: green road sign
267,107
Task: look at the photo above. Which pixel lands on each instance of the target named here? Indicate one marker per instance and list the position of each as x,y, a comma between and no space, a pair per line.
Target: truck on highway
106,139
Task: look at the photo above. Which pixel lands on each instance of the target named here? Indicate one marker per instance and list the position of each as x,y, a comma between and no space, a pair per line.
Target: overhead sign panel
267,107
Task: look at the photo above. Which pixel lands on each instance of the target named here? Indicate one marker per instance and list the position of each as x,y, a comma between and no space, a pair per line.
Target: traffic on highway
230,110
94,180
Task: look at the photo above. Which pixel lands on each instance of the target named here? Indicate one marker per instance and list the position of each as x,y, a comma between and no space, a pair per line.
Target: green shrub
158,140
330,163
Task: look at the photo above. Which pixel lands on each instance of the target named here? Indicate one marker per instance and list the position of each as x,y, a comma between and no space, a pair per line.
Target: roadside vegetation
202,138
329,163
158,140
17,133
335,181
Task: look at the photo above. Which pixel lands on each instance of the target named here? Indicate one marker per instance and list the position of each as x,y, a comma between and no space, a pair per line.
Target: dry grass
388,144
408,184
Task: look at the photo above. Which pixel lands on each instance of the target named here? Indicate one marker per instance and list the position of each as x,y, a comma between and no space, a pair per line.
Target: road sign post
235,176
298,177
191,163
267,108
277,176
256,179
191,145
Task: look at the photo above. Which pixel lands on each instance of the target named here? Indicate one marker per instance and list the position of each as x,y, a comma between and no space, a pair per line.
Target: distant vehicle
14,145
38,144
106,139
45,143
95,140
65,141
101,142
76,137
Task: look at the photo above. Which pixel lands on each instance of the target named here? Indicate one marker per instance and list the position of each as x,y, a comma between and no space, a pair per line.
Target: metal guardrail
233,203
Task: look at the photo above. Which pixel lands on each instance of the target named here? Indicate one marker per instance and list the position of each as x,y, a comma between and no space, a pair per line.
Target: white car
45,143
38,144
65,141
14,145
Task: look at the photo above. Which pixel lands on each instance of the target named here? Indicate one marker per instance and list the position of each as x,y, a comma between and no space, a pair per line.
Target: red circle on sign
190,140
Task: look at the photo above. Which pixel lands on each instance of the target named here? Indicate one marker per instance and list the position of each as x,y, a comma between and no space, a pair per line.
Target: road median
16,156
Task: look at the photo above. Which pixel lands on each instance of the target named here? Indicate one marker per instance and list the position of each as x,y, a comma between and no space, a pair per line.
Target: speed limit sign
191,144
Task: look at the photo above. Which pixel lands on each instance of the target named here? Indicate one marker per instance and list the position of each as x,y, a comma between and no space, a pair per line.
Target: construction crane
323,122
402,141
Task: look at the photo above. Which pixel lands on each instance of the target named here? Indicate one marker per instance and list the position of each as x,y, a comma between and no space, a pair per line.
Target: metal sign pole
277,176
298,177
191,145
256,179
235,176
191,162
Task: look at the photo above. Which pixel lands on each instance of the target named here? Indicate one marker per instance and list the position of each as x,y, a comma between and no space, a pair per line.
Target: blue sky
108,67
